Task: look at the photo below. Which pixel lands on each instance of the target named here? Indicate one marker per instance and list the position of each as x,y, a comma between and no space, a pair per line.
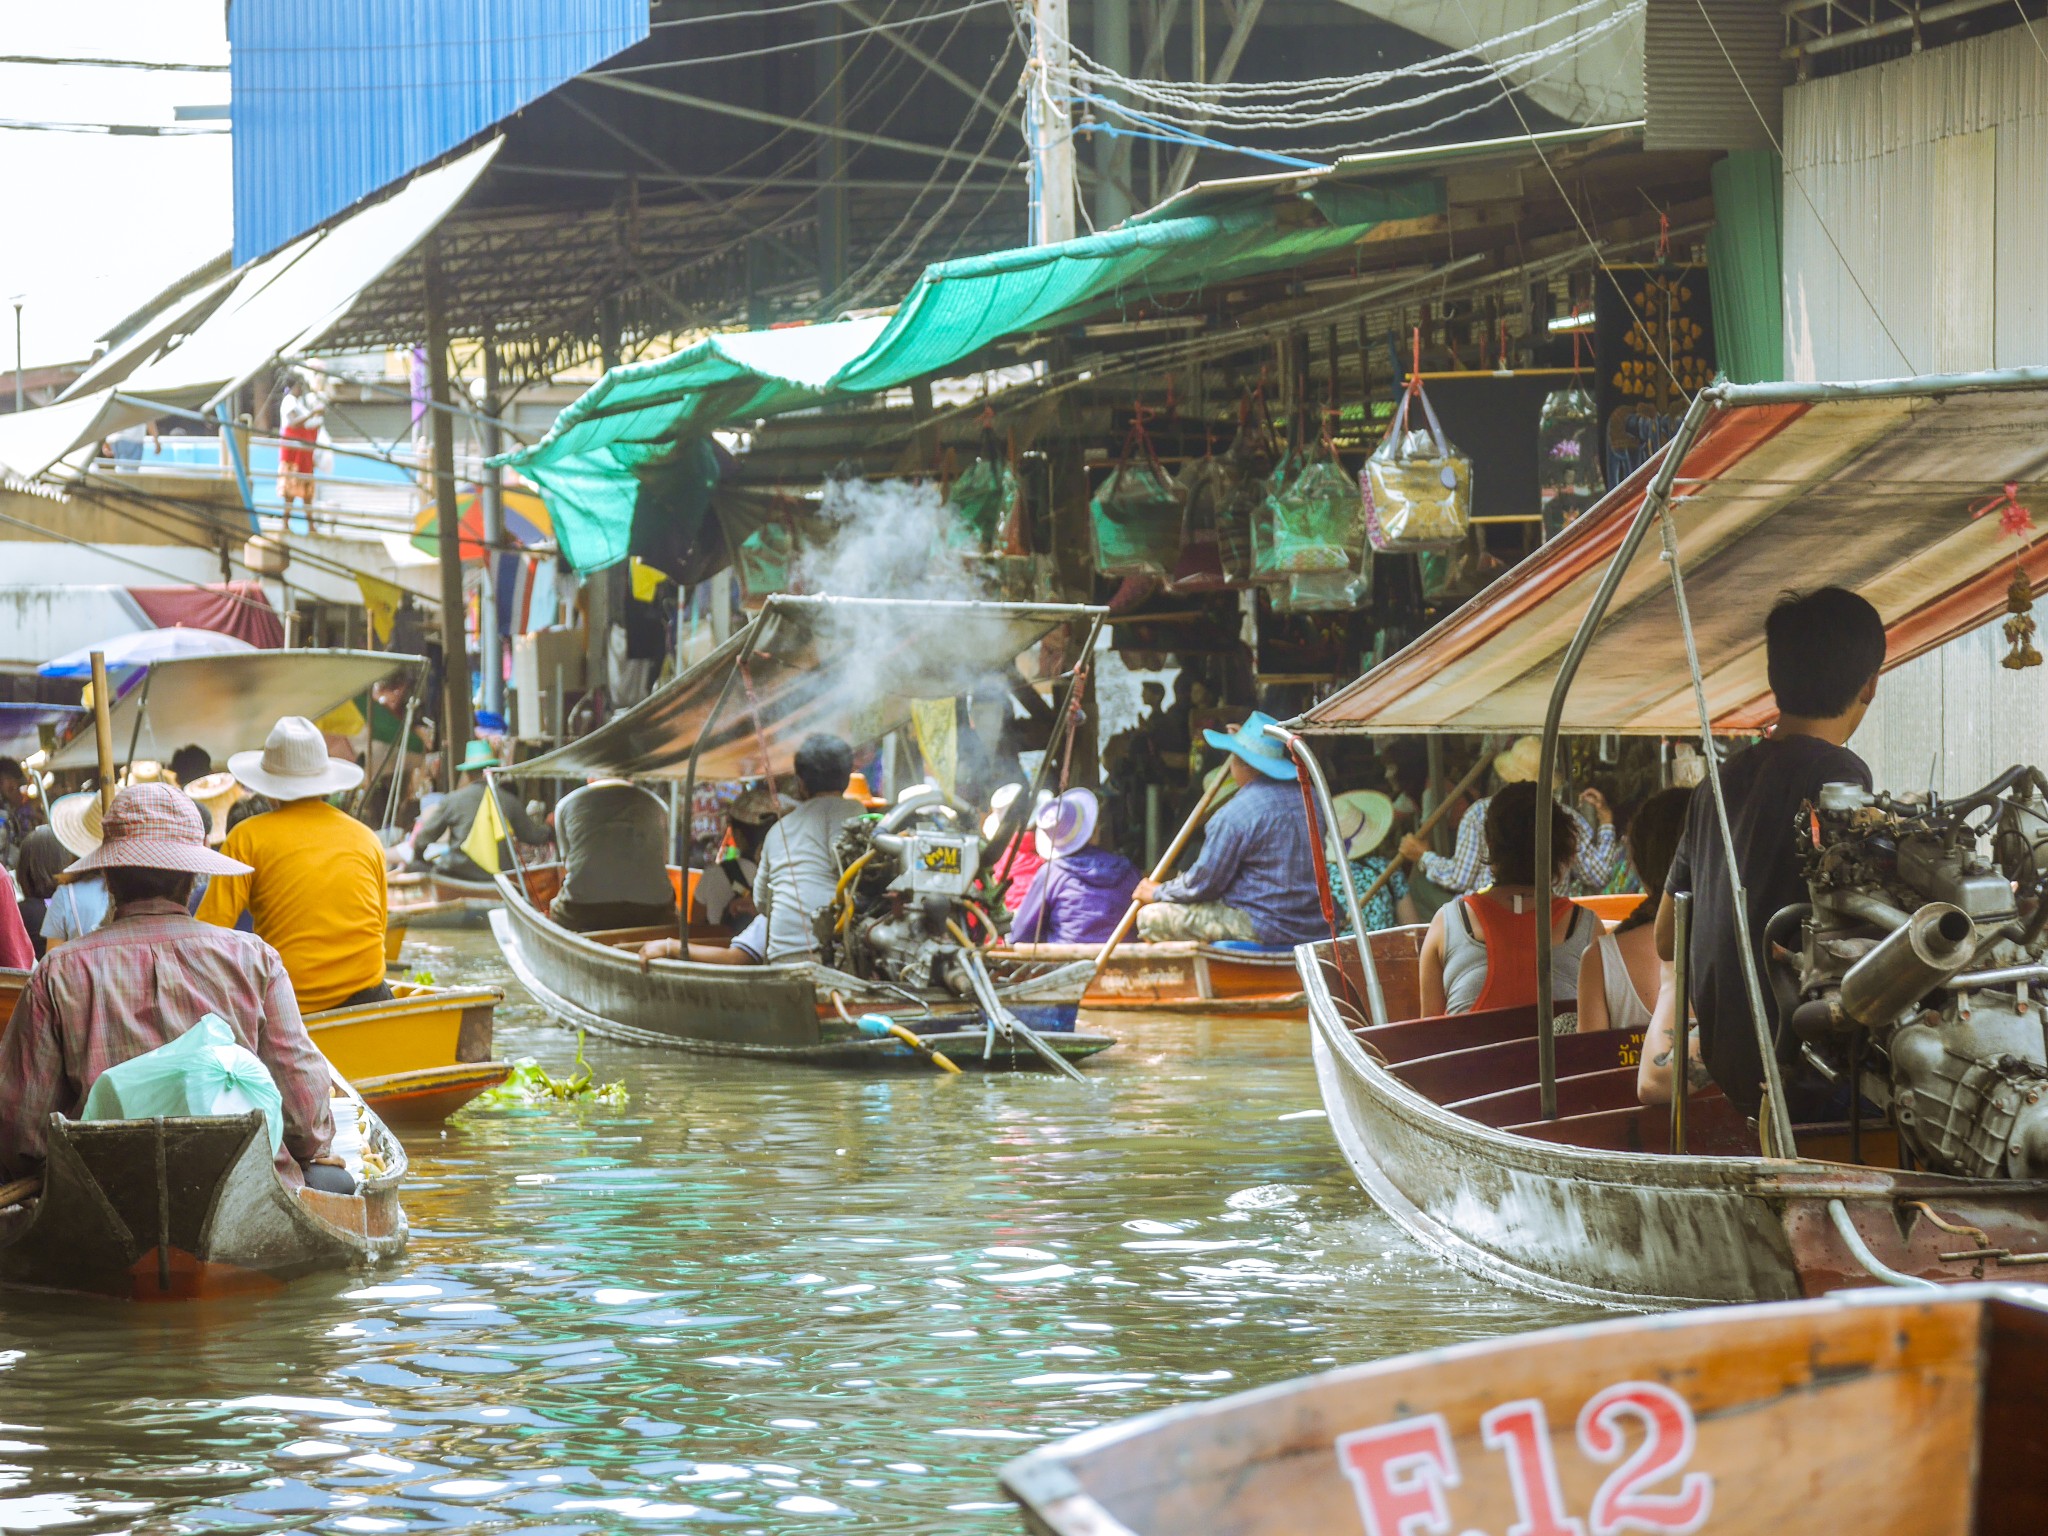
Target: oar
909,1037
993,1009
1166,862
1428,826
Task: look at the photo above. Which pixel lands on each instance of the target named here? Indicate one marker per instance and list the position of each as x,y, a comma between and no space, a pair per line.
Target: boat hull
1182,978
180,1208
786,1012
1634,1226
420,1056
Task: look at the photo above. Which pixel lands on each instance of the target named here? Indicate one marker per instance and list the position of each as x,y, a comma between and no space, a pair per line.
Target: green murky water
754,1299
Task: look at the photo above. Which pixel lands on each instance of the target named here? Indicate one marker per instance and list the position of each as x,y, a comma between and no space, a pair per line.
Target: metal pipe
1654,501
1305,760
455,723
490,640
1681,1021
1838,1213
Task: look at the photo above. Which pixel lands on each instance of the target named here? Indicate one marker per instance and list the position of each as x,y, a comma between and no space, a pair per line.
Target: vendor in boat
1480,951
1823,651
310,876
1019,862
799,868
614,841
725,891
748,947
1082,889
1599,855
453,819
1255,881
1364,817
1620,975
143,979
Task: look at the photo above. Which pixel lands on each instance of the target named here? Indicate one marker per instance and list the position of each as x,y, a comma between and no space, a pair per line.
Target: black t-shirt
1765,787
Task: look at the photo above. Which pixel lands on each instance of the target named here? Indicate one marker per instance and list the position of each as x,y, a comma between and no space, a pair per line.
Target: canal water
752,1298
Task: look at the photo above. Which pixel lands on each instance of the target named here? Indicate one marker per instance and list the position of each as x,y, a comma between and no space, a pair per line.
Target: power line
813,41
120,130
33,58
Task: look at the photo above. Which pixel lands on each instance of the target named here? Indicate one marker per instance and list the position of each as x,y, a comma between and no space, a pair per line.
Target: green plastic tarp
605,448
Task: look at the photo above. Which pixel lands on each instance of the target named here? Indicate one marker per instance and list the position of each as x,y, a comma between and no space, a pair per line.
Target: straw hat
1067,822
294,764
142,771
1364,817
752,807
1250,742
1520,763
76,821
154,826
217,792
999,805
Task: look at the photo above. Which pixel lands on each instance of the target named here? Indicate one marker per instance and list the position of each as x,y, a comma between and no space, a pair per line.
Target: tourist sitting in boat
77,903
310,876
1020,862
1467,868
748,947
1255,881
143,979
1480,952
1083,889
1620,974
1364,817
614,841
798,866
454,818
1823,651
725,891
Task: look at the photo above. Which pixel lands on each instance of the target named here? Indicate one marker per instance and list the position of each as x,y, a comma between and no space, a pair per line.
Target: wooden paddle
1428,826
1166,862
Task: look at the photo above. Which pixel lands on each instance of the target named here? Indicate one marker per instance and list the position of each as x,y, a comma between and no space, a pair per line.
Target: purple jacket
1076,900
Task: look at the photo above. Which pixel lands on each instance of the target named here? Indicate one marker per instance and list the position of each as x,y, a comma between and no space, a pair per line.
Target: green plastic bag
1136,515
984,501
205,1071
1316,519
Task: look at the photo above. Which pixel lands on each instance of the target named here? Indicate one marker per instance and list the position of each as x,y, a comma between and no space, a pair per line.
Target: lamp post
17,354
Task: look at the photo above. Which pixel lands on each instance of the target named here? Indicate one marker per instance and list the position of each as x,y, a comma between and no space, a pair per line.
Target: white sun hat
294,764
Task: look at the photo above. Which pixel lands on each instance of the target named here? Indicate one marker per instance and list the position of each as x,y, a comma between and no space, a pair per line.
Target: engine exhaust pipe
1911,962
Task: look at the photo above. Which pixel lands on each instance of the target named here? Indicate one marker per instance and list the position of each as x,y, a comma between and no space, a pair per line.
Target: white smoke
885,539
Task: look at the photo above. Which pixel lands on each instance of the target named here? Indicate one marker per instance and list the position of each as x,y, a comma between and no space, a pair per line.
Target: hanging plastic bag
1015,573
984,499
1568,471
1247,465
1315,518
1203,487
1136,515
1321,592
1417,487
205,1071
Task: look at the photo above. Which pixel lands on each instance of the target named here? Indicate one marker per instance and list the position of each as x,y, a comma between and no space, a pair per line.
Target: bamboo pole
103,729
1159,872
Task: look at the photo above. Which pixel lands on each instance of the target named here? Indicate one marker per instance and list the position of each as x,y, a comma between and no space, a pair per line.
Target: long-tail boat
1878,1412
1524,1155
849,666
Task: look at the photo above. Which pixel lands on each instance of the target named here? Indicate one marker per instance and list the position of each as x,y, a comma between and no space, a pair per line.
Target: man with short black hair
20,811
798,866
1824,650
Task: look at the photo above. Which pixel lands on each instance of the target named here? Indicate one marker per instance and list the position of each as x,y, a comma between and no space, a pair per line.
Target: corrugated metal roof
1712,81
333,102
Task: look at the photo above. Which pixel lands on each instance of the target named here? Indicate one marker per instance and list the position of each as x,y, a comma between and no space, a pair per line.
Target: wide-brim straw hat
155,826
1250,742
76,821
217,792
1520,763
999,805
294,764
1364,817
1068,822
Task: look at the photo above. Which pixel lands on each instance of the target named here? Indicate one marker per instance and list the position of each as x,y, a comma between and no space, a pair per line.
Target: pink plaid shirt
139,982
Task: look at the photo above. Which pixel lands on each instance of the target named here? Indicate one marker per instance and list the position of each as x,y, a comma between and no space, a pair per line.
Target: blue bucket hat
1250,742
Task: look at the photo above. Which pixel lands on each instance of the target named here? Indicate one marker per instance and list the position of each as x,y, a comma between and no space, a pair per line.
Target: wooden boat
421,1056
189,1207
1182,977
430,901
1523,1155
1882,1413
595,982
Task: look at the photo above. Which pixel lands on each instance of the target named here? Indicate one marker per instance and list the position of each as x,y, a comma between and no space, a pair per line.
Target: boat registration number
1406,1475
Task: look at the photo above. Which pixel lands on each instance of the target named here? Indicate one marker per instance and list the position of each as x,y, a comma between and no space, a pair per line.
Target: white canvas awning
34,442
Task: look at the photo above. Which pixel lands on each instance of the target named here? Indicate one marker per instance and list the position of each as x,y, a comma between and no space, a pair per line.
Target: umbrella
526,522
143,647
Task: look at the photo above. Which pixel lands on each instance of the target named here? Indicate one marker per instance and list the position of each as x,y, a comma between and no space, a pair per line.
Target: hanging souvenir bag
1247,465
1203,488
1417,487
1136,515
1315,517
1568,471
985,498
1017,574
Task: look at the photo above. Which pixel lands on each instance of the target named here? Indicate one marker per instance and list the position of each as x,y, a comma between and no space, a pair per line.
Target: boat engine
1919,973
907,882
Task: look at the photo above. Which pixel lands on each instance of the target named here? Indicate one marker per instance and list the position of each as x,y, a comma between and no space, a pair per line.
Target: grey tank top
1465,957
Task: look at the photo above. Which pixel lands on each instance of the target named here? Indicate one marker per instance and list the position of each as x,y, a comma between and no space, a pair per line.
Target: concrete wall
1916,202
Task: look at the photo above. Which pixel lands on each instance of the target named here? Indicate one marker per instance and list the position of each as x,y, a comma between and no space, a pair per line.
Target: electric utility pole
1049,121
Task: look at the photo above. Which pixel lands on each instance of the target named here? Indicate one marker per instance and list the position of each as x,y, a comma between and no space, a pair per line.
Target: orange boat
1182,977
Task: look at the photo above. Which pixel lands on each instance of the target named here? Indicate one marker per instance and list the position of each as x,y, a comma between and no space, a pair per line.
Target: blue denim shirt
1258,856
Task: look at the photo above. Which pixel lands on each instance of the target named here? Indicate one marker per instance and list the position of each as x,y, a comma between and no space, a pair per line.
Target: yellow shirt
317,896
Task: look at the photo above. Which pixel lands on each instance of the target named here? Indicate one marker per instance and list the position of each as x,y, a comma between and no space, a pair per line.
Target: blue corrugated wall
333,100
